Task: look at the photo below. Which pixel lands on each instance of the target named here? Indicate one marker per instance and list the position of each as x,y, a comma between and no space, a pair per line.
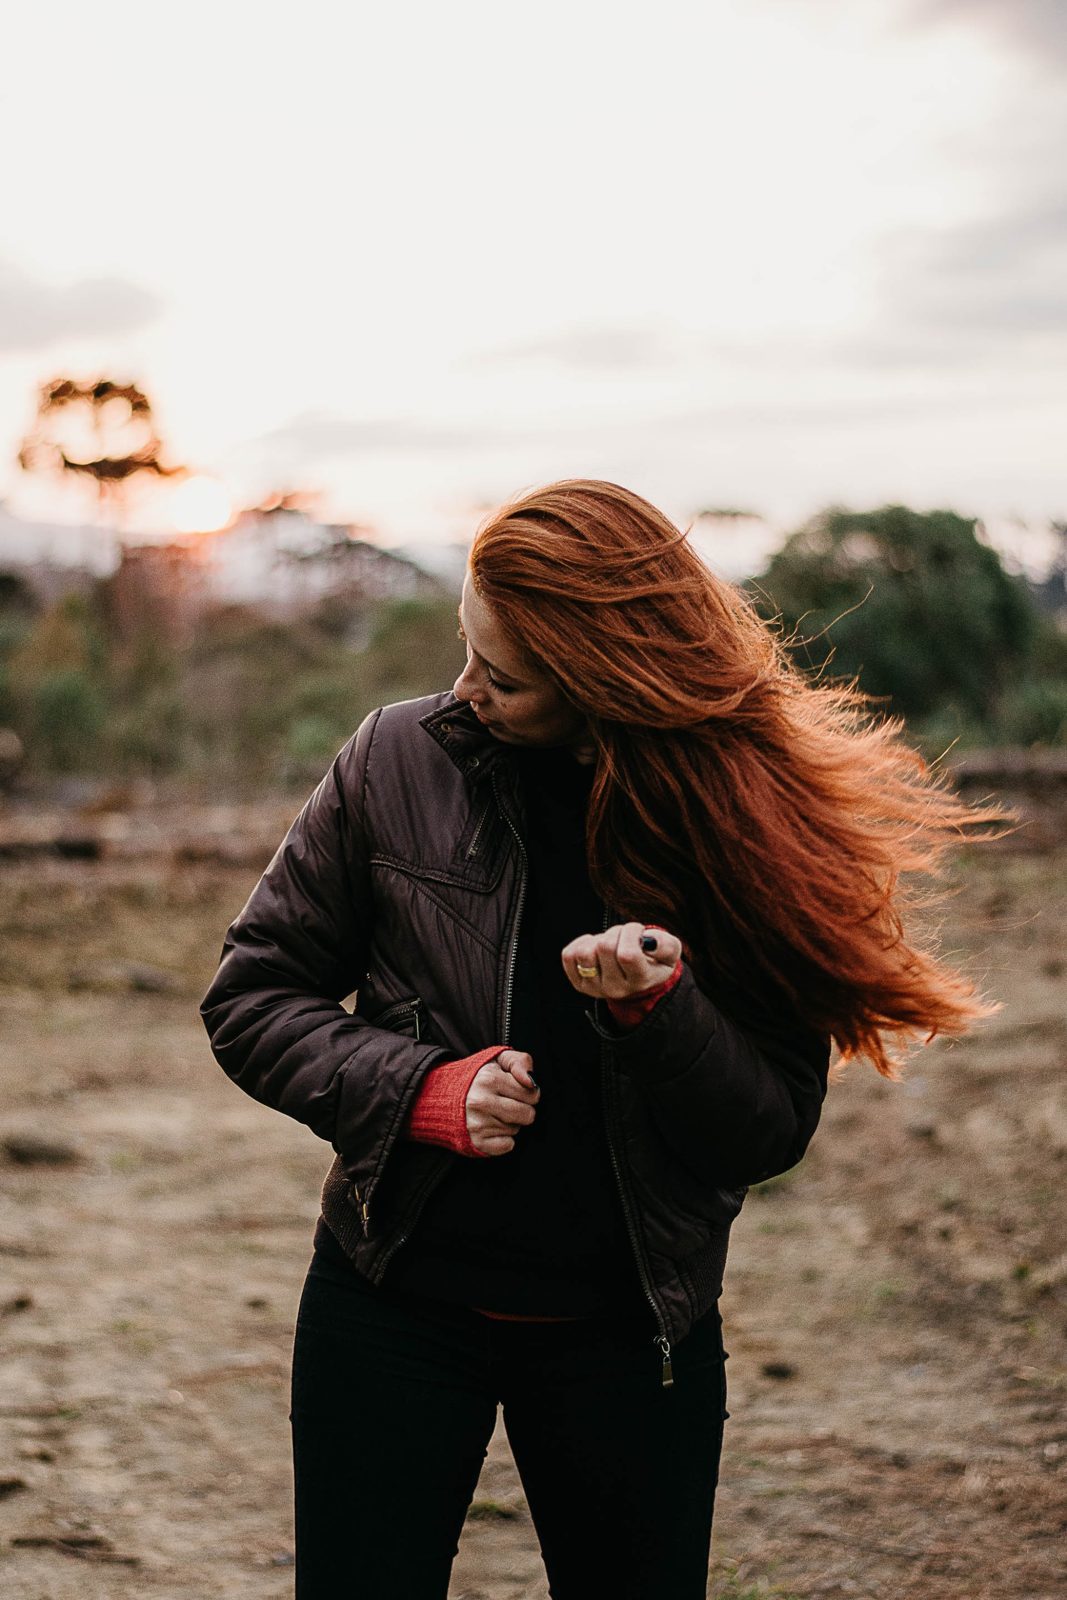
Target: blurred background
284,307
288,299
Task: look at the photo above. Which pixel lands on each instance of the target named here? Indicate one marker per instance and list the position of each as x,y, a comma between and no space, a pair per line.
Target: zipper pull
360,1204
668,1371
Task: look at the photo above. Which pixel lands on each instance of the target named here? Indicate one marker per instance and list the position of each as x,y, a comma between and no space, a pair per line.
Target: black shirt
539,1231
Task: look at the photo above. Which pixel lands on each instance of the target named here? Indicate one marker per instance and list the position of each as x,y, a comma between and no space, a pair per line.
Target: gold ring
586,972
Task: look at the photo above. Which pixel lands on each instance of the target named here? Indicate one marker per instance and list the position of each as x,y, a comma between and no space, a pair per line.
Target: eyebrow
498,672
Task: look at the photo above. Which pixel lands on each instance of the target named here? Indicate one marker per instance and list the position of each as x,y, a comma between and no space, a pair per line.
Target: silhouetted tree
100,432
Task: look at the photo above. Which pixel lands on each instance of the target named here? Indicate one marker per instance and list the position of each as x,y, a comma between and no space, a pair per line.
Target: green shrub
1034,712
67,716
911,603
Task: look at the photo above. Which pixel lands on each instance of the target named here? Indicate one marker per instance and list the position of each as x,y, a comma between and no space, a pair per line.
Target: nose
465,686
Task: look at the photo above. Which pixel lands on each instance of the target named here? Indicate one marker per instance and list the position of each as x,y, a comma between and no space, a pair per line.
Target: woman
604,907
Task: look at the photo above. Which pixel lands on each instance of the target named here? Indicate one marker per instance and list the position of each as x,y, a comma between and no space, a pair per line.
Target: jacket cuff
438,1113
627,1013
669,1039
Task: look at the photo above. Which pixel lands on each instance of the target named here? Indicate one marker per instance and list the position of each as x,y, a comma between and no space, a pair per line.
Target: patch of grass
888,1291
776,1185
781,1225
125,1160
734,1588
491,1511
730,1582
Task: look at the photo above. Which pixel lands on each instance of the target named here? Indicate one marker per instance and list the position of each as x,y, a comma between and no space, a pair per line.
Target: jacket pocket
403,1016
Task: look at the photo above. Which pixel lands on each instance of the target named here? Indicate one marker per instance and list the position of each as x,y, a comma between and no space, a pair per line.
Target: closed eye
505,688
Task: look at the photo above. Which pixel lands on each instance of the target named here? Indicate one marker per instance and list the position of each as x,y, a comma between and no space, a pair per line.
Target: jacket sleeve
736,1105
300,945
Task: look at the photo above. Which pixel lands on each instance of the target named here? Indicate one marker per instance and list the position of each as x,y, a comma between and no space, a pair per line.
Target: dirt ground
895,1311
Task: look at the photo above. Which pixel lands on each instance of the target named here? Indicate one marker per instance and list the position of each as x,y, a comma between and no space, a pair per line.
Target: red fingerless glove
636,1007
439,1113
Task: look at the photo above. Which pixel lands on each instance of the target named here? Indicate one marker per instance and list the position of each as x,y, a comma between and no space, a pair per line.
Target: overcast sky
416,256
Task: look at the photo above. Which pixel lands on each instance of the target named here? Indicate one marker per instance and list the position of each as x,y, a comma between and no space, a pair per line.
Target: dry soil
895,1311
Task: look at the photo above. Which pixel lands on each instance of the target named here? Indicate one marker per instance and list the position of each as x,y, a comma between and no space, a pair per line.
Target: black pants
394,1401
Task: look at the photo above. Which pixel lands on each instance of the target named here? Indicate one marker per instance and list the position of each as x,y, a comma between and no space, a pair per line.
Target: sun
199,505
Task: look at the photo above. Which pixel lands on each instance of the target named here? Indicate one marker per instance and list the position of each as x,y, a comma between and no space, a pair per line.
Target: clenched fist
500,1101
613,965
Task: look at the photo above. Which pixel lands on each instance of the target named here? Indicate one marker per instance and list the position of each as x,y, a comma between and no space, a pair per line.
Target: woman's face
516,703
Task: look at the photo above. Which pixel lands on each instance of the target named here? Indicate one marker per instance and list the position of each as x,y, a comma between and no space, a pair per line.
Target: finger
667,949
482,1127
643,968
614,979
510,1113
580,963
582,949
492,1080
505,1086
519,1065
491,1123
511,1089
493,1144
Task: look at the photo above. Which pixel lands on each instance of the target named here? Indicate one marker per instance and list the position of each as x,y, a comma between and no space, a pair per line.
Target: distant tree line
912,605
243,701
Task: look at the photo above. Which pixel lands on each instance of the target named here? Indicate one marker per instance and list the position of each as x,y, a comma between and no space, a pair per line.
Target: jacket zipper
607,1087
509,985
509,980
661,1339
472,849
393,1014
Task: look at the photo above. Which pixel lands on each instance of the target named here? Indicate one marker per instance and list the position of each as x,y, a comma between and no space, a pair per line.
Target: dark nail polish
649,943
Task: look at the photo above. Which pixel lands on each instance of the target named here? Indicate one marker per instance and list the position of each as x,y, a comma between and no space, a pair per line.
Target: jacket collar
463,739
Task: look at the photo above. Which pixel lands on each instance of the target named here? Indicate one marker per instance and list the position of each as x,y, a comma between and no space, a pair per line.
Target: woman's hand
613,966
500,1101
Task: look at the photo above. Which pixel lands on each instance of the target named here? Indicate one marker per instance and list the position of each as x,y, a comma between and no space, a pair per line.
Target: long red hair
781,828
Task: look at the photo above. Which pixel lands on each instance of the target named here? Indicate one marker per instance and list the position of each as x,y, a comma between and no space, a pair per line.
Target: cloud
606,349
1038,27
314,435
34,315
960,292
995,285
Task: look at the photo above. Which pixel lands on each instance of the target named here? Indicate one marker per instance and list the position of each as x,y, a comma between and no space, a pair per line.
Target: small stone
780,1370
30,1150
144,979
137,977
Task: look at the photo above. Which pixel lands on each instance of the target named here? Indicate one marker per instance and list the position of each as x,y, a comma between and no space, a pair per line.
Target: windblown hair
779,825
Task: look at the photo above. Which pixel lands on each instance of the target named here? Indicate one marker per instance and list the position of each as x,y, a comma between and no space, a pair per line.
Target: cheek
557,715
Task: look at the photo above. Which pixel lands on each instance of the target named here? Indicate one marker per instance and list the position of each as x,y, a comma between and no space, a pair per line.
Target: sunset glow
766,256
199,505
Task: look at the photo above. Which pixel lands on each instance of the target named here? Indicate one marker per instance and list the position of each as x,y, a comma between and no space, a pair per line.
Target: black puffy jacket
402,879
